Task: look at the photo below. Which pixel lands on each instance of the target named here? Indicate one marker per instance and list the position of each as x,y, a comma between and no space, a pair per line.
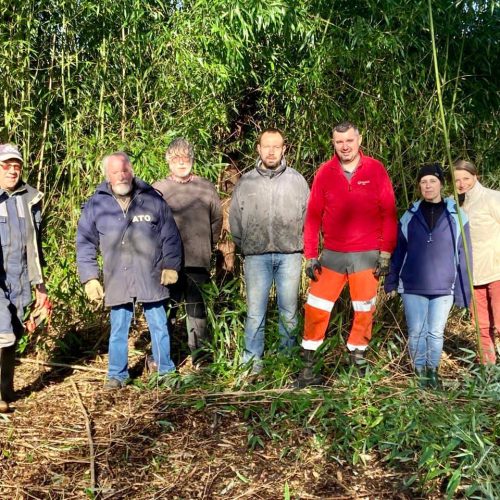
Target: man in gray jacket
266,218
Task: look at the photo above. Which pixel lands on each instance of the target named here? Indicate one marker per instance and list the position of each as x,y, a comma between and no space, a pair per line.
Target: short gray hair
118,154
344,127
179,144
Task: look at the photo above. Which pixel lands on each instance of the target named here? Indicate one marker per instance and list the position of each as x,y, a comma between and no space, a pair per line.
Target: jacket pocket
4,231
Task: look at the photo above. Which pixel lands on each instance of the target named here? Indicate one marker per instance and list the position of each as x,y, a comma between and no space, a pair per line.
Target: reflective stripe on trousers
322,297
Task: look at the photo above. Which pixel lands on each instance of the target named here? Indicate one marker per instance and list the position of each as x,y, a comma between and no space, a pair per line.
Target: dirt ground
67,438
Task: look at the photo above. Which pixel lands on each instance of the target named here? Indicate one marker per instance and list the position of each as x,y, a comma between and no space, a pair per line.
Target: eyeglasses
8,165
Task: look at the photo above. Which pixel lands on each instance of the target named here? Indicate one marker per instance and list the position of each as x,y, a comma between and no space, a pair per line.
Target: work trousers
339,268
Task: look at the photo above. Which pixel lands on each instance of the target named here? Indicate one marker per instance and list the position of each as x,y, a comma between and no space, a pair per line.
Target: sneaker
113,384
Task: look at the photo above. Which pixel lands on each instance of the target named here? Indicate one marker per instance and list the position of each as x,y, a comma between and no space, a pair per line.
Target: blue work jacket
136,244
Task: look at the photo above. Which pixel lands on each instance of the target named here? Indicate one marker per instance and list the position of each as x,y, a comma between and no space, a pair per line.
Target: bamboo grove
83,78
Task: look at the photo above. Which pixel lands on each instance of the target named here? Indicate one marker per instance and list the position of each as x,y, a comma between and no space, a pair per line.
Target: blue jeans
260,272
426,317
120,318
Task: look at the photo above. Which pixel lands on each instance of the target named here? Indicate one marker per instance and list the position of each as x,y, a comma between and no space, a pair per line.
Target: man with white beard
141,251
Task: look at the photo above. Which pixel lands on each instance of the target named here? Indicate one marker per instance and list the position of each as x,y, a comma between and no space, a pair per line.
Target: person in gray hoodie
266,218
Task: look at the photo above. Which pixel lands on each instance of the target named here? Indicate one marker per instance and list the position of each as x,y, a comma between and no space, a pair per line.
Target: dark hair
270,130
344,127
468,166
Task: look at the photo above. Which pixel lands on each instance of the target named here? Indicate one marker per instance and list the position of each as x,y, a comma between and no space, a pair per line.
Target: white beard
122,189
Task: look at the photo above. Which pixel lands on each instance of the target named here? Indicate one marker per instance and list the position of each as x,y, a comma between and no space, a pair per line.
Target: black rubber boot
422,380
7,363
433,378
198,341
358,361
307,375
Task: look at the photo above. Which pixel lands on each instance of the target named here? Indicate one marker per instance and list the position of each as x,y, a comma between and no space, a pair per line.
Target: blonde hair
468,166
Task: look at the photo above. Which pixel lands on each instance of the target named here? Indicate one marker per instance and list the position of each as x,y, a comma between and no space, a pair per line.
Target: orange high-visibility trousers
322,297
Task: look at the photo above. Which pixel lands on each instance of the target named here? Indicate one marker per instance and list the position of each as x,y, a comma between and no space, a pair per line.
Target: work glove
38,316
392,294
169,277
6,340
383,265
94,290
313,266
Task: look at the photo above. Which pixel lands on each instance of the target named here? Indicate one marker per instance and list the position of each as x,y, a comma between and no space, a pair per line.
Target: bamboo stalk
455,194
61,365
89,437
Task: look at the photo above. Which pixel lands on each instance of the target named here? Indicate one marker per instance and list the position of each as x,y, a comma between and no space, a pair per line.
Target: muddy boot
421,375
7,363
307,375
358,361
433,378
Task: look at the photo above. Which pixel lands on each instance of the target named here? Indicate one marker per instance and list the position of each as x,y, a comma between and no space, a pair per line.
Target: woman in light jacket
482,206
428,269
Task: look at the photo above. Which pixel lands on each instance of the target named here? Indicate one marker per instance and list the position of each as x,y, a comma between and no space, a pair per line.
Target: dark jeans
188,287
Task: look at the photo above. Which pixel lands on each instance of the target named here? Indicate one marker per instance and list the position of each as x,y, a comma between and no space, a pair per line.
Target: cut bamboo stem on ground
89,437
61,365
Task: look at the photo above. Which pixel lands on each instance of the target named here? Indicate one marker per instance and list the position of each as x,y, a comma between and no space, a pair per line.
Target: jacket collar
449,204
474,192
267,172
33,194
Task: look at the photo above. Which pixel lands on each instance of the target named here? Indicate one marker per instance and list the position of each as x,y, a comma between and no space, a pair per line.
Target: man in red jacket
352,206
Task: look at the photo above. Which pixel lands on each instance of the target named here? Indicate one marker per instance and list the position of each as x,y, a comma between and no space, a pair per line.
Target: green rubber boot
433,378
422,380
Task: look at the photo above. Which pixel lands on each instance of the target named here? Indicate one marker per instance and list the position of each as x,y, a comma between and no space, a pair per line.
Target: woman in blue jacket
428,269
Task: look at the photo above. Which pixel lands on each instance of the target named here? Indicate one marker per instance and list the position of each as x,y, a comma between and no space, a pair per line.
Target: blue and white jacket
21,256
431,262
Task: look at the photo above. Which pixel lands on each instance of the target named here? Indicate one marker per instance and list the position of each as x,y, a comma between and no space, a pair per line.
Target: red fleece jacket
353,216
